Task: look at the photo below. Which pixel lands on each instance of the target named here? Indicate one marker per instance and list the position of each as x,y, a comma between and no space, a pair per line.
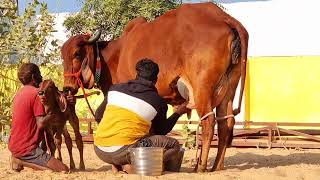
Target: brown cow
56,105
198,43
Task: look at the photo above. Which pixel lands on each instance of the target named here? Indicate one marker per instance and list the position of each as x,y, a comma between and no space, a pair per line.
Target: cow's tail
239,47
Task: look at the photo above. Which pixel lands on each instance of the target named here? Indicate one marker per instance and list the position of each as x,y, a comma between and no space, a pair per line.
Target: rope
224,117
85,96
98,67
197,132
198,127
79,82
279,135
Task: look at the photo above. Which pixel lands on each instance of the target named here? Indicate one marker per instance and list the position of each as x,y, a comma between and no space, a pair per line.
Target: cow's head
79,57
52,95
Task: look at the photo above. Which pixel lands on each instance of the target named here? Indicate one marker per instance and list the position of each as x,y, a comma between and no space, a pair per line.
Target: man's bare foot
116,168
128,168
15,165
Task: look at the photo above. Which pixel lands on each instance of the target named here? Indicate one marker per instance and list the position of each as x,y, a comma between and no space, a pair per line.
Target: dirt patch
240,164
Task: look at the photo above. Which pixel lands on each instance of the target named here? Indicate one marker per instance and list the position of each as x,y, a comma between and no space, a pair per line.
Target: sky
57,6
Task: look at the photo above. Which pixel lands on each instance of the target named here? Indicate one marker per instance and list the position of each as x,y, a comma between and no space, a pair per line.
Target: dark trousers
122,156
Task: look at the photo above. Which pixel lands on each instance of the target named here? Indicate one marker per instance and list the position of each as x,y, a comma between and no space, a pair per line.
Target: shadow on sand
244,161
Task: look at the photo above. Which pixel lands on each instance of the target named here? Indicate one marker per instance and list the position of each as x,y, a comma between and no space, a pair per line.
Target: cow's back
173,40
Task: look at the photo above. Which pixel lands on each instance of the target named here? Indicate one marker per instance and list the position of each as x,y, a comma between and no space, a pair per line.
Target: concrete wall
279,27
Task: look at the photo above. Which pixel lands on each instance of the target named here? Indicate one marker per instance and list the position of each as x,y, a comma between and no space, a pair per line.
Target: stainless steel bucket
147,161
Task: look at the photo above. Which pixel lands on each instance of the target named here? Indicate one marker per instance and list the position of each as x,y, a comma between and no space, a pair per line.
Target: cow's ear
86,72
62,102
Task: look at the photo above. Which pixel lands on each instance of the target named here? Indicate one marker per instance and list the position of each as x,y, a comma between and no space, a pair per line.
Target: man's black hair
26,71
147,69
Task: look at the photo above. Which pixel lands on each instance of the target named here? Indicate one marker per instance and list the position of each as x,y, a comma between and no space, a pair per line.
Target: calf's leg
74,122
68,142
58,142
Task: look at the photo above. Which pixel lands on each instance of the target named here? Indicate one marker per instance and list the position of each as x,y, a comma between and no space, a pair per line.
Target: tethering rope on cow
198,127
96,77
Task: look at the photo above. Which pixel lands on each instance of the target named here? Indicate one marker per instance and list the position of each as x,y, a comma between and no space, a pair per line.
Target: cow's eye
77,55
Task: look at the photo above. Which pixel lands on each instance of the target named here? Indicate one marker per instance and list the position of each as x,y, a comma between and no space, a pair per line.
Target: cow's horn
95,37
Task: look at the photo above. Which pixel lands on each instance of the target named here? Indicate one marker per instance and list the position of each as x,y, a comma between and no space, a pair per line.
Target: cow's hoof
82,167
72,166
201,169
219,168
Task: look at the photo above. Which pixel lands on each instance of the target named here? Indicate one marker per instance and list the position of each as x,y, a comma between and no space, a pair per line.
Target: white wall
280,27
61,33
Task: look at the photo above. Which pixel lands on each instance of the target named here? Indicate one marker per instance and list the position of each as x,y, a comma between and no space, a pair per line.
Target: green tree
25,38
113,15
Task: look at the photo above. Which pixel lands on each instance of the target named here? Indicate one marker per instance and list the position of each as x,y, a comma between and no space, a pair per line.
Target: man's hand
43,120
181,109
71,99
40,122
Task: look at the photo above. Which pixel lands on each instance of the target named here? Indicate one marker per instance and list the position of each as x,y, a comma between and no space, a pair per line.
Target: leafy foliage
113,15
25,38
22,39
190,138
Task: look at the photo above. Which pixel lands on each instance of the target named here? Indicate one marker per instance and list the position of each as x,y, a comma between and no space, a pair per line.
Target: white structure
61,33
279,27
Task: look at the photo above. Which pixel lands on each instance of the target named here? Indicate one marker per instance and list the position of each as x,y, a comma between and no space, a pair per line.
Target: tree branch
6,77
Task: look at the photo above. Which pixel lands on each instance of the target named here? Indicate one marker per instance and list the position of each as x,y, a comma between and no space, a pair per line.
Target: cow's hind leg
225,133
204,106
74,122
225,125
68,142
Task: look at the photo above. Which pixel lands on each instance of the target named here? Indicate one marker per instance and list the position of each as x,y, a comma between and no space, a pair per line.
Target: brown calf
57,106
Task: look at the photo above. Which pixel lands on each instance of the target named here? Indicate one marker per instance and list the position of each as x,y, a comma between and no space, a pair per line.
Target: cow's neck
105,78
109,63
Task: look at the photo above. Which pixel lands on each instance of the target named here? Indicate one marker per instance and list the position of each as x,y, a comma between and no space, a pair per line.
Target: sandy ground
243,164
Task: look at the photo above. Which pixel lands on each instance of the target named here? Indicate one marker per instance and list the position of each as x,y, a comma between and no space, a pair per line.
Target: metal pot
147,161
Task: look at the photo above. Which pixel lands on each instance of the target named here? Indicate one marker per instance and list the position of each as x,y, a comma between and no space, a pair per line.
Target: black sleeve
100,110
161,125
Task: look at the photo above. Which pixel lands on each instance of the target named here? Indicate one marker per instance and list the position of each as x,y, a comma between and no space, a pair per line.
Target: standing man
135,116
28,120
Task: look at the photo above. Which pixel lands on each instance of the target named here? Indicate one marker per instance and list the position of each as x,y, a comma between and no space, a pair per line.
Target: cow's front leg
74,122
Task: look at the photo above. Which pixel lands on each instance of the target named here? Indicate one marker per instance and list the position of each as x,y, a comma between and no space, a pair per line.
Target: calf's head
54,98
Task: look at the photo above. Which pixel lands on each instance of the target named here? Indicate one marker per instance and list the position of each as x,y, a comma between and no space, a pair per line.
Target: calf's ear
62,102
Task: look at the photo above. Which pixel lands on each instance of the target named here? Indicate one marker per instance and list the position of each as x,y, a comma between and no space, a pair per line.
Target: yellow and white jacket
132,109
